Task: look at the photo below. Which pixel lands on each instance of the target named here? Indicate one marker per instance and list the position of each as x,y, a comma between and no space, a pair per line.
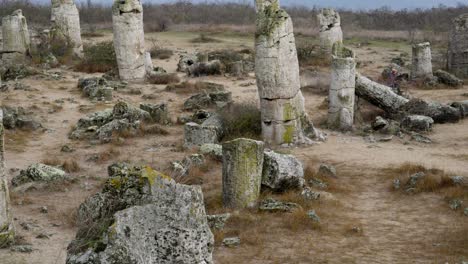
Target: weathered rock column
457,60
129,39
66,22
7,231
242,172
284,120
422,61
330,29
16,40
342,88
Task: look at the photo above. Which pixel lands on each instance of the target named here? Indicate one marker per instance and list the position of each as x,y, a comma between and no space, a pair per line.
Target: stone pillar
422,61
284,120
330,29
129,39
242,172
16,40
66,22
457,59
342,88
7,231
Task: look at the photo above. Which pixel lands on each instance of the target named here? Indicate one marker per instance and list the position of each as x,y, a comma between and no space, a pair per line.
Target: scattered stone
182,168
413,181
448,79
462,106
417,123
159,112
39,173
396,184
22,248
460,180
44,210
67,149
186,61
242,172
465,212
18,117
214,67
420,138
197,135
327,170
282,172
310,195
212,150
203,100
96,88
313,215
272,205
438,112
318,183
218,221
231,241
379,123
455,204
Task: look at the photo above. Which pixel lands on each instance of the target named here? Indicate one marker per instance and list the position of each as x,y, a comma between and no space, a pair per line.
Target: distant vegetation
161,17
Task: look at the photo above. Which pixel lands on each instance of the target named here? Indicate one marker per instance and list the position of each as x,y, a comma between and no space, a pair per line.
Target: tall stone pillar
16,39
342,89
242,172
457,59
66,23
7,231
284,120
422,61
129,39
330,29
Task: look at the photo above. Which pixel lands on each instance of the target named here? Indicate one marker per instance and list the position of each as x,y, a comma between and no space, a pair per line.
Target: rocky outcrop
448,79
18,117
330,29
284,120
422,62
129,39
39,173
242,172
96,88
7,230
417,123
440,113
282,172
457,60
142,216
66,23
15,38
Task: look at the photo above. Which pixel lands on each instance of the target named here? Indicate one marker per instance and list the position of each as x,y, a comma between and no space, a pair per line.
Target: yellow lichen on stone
151,175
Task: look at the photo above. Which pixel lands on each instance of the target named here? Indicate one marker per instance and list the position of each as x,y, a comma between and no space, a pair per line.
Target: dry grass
17,140
153,129
202,38
333,184
241,120
67,165
161,53
110,153
190,87
98,58
67,216
164,78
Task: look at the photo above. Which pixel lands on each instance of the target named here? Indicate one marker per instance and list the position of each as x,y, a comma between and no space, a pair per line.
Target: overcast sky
354,4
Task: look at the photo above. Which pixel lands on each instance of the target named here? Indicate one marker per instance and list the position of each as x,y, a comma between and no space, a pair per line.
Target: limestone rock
417,123
129,39
422,61
313,215
159,112
213,150
16,39
204,100
95,88
7,230
186,61
197,135
218,221
439,112
460,180
310,195
272,205
39,173
66,21
231,241
448,79
182,168
242,172
462,106
282,172
214,67
18,117
457,60
327,170
330,28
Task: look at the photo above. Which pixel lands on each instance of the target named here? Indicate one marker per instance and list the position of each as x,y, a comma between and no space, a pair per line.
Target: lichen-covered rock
213,150
242,172
417,123
330,28
65,20
116,126
218,221
272,205
159,112
439,112
95,88
16,39
7,230
462,106
197,135
142,216
448,79
182,168
186,61
123,110
460,180
282,172
39,173
422,61
457,60
129,39
203,100
18,117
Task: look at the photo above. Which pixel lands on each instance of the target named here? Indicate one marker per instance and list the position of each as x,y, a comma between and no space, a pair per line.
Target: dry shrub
109,154
214,203
310,55
202,38
161,53
241,120
67,217
98,58
190,87
311,173
152,130
164,78
18,140
67,165
299,220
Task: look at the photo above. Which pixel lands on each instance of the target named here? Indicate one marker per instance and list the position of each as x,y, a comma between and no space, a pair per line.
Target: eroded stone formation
330,28
16,39
284,120
242,172
458,47
342,88
129,39
66,23
422,61
7,231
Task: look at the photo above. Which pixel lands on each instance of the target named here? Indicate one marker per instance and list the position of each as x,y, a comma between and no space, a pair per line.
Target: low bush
98,58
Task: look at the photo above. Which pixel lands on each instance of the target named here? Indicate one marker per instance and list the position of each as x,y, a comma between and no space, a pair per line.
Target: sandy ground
396,228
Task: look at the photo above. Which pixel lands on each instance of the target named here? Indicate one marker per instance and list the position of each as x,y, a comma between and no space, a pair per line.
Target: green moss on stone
288,136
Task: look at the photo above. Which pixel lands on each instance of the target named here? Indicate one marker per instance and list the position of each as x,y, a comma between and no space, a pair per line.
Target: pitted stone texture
417,123
282,172
242,172
16,38
330,28
282,109
66,21
458,47
197,135
422,61
129,39
7,230
342,93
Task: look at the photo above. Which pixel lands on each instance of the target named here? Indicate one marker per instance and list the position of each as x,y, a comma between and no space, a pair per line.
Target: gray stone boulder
123,110
462,106
142,216
39,173
18,117
159,112
448,79
212,150
327,170
197,135
439,112
186,61
282,172
211,99
95,88
417,123
218,221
